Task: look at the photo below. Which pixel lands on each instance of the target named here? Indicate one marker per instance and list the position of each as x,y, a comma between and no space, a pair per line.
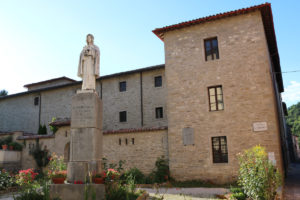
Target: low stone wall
10,160
141,150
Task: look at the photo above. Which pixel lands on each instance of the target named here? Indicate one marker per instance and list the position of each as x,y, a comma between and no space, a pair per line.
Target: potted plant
59,177
57,169
4,146
11,146
99,178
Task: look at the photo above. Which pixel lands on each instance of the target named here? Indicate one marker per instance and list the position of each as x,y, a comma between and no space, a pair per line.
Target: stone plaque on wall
188,136
260,126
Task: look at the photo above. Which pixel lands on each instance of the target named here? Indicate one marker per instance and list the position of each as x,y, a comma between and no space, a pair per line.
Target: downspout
141,86
40,108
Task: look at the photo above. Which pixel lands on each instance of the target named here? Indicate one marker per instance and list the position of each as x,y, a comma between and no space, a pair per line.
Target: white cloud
291,93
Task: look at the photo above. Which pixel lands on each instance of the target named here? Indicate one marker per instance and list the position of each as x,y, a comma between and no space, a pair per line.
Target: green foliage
42,130
53,128
3,93
17,146
7,140
293,119
40,156
257,176
117,191
237,193
118,167
6,180
135,174
161,173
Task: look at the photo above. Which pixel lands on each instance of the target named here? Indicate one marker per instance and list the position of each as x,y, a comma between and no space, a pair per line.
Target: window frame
121,89
36,101
156,82
220,154
212,49
120,117
216,97
156,113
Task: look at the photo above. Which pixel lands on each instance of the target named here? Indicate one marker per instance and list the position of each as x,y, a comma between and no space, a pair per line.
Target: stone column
86,136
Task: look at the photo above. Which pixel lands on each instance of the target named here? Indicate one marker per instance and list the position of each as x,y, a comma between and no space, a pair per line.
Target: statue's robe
88,68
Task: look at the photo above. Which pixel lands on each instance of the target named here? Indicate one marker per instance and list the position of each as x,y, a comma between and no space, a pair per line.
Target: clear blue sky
41,40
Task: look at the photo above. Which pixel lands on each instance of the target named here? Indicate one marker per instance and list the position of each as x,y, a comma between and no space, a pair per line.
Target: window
120,141
158,81
159,113
219,147
36,101
132,140
123,116
211,49
126,141
216,102
122,86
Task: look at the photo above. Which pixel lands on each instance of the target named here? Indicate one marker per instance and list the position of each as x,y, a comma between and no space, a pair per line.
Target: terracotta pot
58,180
4,147
11,147
98,180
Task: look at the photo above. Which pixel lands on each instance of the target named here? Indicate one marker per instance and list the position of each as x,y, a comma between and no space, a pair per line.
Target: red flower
78,182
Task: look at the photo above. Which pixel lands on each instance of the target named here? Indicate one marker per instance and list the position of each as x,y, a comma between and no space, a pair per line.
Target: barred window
215,94
219,148
211,49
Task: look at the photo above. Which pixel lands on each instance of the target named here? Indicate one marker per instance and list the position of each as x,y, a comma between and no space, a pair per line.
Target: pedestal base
77,191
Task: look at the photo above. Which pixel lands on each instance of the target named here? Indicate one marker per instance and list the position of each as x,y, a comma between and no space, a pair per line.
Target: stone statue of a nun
88,68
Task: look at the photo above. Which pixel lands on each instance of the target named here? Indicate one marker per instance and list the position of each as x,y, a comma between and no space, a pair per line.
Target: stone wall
147,147
243,70
141,153
18,113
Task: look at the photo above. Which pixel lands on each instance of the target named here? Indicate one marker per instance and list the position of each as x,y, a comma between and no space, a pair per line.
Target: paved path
292,183
192,192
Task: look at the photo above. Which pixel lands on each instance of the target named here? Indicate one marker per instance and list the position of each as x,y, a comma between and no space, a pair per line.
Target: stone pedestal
86,136
85,147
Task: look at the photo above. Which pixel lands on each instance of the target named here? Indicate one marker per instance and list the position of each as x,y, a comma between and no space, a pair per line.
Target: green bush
42,130
138,176
54,129
5,140
257,176
17,146
162,172
237,193
6,180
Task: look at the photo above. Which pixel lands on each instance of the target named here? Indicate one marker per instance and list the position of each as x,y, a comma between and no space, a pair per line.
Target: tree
293,119
3,93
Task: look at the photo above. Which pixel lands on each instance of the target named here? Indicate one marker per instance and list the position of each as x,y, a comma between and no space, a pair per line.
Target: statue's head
90,39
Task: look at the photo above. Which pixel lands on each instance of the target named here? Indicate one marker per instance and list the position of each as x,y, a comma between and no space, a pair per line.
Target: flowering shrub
26,177
57,167
6,180
257,176
29,186
112,174
58,174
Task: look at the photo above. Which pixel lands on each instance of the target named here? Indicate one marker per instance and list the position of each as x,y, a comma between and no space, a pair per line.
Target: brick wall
243,70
